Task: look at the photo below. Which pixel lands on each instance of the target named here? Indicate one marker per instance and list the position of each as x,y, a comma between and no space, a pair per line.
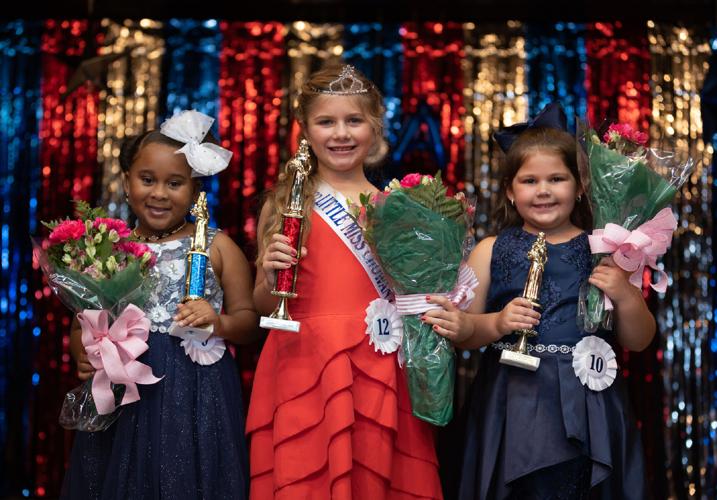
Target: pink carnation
67,230
411,180
136,249
117,224
626,132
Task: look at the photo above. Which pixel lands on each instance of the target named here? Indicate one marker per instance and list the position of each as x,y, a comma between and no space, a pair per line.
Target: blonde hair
370,103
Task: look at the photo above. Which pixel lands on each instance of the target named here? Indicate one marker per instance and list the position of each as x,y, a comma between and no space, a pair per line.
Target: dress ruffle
339,423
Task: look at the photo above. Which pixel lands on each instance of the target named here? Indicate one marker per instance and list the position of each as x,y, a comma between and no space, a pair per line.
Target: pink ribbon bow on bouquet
462,295
633,250
113,352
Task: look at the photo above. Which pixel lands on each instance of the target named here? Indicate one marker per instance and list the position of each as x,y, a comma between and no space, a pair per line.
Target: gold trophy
518,356
292,225
197,258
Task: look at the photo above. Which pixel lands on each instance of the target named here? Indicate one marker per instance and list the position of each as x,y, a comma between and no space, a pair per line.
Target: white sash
331,206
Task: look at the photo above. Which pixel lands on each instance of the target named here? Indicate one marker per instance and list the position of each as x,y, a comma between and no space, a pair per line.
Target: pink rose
117,224
411,180
67,230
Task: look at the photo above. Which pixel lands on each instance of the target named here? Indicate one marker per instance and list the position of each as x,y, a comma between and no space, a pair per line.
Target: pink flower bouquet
96,270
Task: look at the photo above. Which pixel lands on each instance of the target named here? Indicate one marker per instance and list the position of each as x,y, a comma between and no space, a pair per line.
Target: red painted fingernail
435,327
428,298
423,318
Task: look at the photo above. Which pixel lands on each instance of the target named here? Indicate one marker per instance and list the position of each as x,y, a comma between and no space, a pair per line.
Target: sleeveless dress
329,417
184,438
543,431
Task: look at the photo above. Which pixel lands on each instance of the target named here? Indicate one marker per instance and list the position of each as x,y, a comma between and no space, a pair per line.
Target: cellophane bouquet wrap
630,188
417,232
100,273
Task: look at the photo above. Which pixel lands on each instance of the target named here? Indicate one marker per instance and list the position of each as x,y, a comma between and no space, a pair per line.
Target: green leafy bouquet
628,185
417,232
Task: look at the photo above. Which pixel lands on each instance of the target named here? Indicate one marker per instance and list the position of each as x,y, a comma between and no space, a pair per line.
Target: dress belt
539,348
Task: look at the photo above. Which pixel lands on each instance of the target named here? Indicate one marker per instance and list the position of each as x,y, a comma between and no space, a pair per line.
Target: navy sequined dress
541,434
184,439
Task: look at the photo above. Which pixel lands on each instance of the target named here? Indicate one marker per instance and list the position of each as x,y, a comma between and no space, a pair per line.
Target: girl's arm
634,323
475,328
277,255
84,369
239,322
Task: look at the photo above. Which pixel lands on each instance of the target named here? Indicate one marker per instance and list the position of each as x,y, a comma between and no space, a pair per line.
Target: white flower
158,314
174,269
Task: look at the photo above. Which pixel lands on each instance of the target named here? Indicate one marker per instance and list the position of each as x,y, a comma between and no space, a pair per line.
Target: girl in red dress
329,415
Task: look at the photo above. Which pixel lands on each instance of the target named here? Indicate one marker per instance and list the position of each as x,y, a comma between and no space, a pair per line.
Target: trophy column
518,356
196,271
292,226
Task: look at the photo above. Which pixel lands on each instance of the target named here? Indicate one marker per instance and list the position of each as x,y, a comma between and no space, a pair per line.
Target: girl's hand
196,313
449,322
85,370
612,280
518,314
278,255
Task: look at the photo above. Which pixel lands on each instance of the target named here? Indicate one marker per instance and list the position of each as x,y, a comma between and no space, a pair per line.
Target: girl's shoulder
483,251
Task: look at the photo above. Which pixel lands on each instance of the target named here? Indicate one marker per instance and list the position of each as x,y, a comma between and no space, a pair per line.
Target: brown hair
370,103
539,140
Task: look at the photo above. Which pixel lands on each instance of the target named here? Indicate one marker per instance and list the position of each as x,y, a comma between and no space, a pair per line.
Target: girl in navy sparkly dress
184,438
543,434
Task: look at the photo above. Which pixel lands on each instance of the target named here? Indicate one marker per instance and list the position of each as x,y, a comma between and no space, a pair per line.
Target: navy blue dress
543,434
184,439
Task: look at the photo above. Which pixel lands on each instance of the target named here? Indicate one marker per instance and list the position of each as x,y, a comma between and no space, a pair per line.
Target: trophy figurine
292,225
196,270
519,356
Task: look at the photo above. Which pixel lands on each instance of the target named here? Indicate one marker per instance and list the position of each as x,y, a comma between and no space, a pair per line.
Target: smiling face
544,191
339,132
160,188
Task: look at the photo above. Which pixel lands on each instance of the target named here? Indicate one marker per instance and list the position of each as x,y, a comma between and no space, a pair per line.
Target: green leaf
84,211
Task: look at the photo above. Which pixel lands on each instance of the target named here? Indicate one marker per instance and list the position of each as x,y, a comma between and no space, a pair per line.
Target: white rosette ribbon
383,326
190,127
204,353
594,363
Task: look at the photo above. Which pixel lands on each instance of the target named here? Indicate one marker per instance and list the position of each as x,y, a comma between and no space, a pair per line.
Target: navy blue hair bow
552,116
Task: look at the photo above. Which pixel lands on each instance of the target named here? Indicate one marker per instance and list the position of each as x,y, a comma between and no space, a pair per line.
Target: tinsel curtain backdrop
447,86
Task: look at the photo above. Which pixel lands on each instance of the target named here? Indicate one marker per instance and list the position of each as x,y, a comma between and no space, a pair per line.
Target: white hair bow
190,127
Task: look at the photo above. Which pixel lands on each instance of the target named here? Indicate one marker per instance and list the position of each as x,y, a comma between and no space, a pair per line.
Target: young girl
329,416
185,437
543,434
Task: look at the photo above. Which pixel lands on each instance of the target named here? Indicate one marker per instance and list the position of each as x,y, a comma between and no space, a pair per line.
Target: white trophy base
279,324
198,333
519,360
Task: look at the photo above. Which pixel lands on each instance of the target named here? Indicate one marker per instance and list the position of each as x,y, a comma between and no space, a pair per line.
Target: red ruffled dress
329,417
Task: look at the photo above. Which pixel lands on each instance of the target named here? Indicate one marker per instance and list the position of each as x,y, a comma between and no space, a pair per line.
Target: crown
348,83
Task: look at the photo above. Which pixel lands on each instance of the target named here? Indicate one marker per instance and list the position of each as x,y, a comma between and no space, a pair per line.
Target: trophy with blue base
292,226
518,356
196,270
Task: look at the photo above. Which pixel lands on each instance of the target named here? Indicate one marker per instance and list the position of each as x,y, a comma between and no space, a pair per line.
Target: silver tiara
348,83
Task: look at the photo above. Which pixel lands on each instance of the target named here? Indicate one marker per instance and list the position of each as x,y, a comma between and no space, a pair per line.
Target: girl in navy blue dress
543,434
184,438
